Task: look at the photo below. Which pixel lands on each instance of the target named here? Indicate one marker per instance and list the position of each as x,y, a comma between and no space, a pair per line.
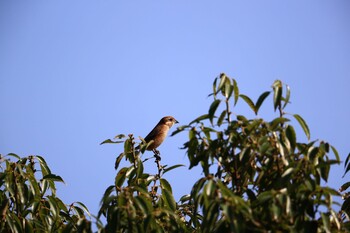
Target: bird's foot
156,152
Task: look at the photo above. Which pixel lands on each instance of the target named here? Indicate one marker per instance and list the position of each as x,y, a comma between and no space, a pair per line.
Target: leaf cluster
28,201
139,201
344,213
257,175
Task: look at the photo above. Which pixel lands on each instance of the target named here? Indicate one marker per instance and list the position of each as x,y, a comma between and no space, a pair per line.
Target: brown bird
159,132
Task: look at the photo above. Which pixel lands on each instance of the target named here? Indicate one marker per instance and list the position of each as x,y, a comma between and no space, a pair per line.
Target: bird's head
169,121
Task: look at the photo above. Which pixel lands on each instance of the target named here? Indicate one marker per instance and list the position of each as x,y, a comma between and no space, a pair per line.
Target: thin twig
157,177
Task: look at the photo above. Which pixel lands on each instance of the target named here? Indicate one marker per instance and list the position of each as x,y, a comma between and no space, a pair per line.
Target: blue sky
74,73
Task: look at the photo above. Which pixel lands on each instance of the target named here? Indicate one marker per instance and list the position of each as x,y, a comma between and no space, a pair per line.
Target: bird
159,133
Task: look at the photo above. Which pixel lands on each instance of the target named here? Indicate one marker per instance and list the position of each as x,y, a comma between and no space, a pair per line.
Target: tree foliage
344,213
257,176
28,199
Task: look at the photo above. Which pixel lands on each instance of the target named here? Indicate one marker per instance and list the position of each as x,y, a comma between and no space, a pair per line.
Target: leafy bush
29,202
257,177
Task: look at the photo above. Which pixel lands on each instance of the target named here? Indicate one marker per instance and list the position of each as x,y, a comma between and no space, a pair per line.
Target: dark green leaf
222,117
214,87
235,90
326,222
110,141
198,119
248,101
242,118
346,170
117,161
14,155
277,93
43,165
209,188
222,81
169,198
346,205
164,184
86,210
185,198
179,129
172,167
228,88
347,158
197,187
286,100
303,125
53,178
260,100
244,155
276,122
119,136
144,204
139,168
212,109
120,178
287,172
291,135
264,197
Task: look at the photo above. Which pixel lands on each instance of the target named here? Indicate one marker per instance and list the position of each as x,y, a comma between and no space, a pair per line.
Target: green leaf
212,110
169,199
228,88
277,93
86,210
346,160
264,197
139,168
288,172
197,187
346,205
117,161
214,87
185,198
110,141
260,100
179,129
172,167
276,122
303,125
14,155
28,226
286,100
144,204
244,154
346,170
198,119
326,222
53,177
222,117
164,184
120,178
291,135
235,91
223,78
248,101
119,136
209,188
45,170
242,118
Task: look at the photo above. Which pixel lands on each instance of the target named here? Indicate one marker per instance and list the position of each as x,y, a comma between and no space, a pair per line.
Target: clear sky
74,73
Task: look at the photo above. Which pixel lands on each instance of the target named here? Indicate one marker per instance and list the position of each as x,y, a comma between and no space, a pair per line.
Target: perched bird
159,132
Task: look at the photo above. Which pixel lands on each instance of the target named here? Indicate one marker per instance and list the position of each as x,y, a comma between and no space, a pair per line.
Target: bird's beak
176,122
